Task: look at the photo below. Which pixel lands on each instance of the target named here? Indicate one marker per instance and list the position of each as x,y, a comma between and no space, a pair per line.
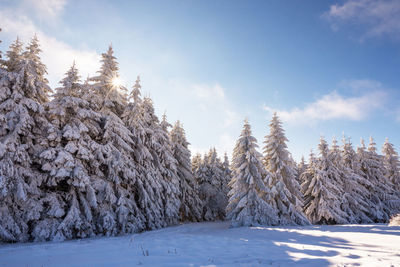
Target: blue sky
326,67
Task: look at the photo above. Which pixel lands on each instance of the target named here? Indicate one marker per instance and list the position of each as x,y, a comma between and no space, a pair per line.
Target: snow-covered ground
215,244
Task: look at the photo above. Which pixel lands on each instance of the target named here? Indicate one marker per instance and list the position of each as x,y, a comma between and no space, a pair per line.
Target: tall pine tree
381,193
355,186
191,205
158,181
322,189
119,186
70,163
392,164
23,91
249,197
210,177
282,182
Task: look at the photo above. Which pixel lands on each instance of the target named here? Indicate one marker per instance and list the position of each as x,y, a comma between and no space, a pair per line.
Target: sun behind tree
116,81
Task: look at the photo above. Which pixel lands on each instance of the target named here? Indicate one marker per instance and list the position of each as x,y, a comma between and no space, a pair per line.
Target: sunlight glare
116,82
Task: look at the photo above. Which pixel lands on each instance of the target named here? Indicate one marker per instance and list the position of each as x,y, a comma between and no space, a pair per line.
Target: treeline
87,159
91,159
339,186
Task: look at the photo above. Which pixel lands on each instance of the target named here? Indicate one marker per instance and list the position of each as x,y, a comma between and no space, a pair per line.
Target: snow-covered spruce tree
196,164
392,196
200,172
14,56
335,153
117,186
227,173
286,195
165,163
336,159
382,194
392,164
191,205
70,164
355,186
322,189
148,180
1,53
302,178
211,180
249,199
34,70
23,91
301,167
156,165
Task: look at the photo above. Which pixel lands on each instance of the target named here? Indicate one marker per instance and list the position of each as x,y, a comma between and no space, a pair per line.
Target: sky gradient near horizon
326,67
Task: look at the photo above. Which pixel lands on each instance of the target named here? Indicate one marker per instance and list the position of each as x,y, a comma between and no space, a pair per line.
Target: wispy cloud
57,55
46,9
208,111
213,100
361,85
336,106
212,97
373,18
205,91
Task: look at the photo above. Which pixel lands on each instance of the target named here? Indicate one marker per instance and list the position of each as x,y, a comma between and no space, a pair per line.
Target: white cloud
47,9
334,106
206,111
212,97
361,85
208,92
218,108
373,17
58,56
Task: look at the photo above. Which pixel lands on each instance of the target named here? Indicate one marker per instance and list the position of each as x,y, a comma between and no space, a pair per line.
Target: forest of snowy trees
91,158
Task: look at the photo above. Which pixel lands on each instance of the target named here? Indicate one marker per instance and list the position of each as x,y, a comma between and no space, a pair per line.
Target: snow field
215,244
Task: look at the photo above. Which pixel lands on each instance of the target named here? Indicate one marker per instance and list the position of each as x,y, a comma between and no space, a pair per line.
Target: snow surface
215,244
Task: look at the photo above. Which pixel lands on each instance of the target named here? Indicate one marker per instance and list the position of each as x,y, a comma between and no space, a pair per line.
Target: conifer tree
301,167
206,190
384,198
227,173
249,197
149,180
322,189
0,51
392,164
118,187
307,175
191,205
210,177
355,186
14,55
23,91
155,162
166,164
196,164
36,85
335,153
282,182
342,175
70,163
